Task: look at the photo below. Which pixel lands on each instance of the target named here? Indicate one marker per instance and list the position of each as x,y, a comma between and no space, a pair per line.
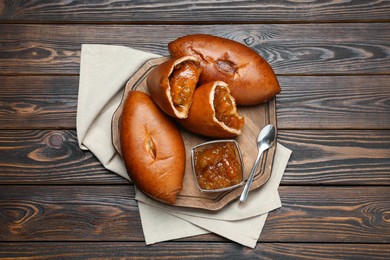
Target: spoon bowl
265,140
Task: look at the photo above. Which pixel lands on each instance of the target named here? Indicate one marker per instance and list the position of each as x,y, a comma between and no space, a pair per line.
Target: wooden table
332,59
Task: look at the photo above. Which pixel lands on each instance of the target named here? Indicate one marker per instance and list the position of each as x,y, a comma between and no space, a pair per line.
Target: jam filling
225,108
218,166
183,81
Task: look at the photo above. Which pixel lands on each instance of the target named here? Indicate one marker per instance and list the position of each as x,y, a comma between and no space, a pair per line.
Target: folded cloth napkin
245,231
104,71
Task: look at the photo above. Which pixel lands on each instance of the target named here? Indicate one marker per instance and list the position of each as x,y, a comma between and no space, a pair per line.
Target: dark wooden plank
186,250
330,214
345,157
28,157
30,112
362,48
193,11
319,157
69,213
41,85
334,102
310,102
109,213
38,102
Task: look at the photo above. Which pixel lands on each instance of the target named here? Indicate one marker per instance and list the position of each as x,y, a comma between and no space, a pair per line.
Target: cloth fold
104,71
237,211
245,231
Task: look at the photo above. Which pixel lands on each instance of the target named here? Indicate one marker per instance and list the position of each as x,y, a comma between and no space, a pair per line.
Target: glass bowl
217,165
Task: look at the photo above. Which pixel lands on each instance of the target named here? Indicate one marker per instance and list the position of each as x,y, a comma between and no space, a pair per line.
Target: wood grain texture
41,85
187,250
38,102
69,213
346,157
319,157
342,102
309,102
194,11
38,111
291,49
33,156
330,214
109,213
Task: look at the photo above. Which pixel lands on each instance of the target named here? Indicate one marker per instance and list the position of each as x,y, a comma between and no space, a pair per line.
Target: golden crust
158,82
152,148
202,117
250,78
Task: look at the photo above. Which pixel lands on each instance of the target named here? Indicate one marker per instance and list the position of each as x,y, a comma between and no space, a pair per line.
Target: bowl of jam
217,165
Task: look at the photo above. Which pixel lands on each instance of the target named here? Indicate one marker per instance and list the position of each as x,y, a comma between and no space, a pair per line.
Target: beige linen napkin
260,200
104,71
245,231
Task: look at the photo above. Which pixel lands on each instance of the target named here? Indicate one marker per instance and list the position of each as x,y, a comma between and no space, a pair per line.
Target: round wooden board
256,117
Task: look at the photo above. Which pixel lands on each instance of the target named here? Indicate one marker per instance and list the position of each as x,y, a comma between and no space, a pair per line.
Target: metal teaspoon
265,140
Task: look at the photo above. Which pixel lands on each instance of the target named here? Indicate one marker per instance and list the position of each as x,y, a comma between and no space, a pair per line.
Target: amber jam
225,108
183,82
217,165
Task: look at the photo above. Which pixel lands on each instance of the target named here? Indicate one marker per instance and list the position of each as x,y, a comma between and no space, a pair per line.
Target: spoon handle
244,194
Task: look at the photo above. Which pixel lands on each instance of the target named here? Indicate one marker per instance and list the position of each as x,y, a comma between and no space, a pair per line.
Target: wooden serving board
256,117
